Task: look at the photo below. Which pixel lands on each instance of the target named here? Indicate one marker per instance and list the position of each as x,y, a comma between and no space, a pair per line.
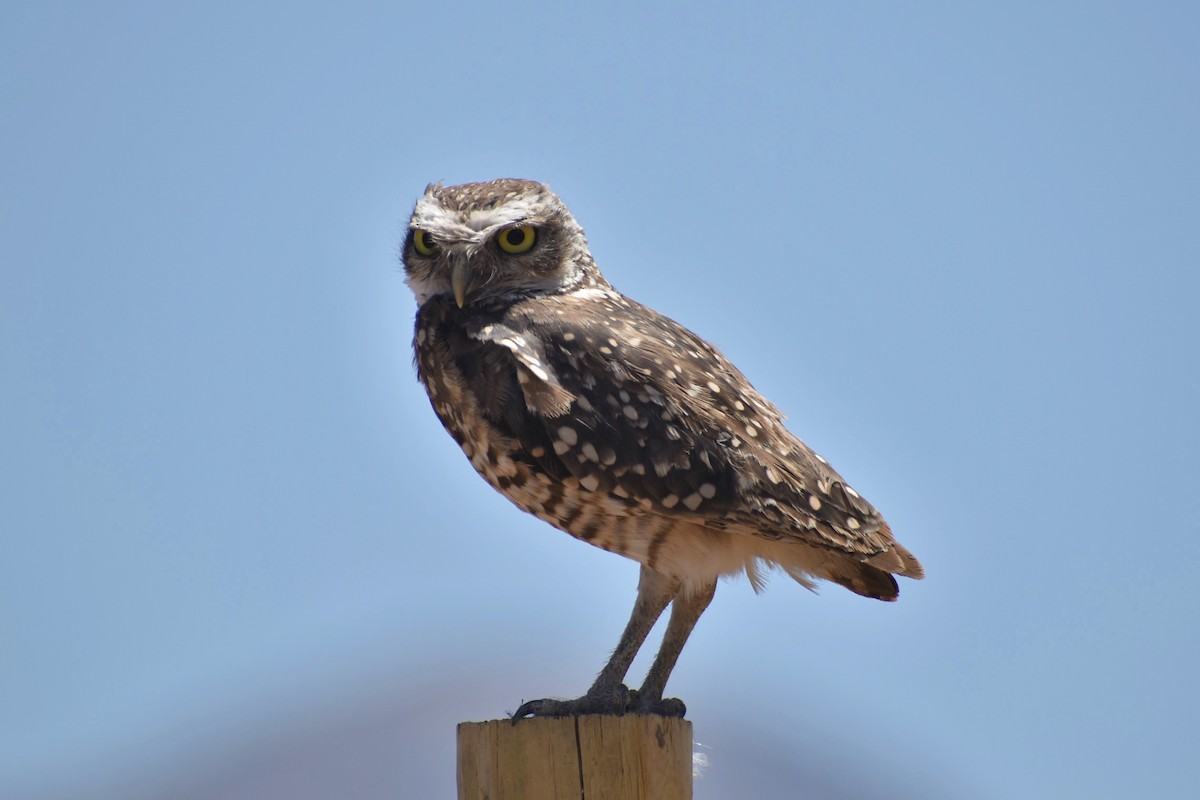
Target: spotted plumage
618,425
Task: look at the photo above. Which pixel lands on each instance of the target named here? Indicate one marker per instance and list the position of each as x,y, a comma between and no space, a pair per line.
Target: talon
663,707
617,701
527,709
671,707
545,708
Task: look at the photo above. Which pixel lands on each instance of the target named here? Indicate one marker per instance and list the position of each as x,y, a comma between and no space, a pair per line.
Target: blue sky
956,244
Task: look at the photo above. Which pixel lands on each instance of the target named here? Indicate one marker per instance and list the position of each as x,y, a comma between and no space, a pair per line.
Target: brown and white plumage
618,425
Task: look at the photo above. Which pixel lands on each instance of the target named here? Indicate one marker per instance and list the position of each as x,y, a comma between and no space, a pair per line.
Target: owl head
503,239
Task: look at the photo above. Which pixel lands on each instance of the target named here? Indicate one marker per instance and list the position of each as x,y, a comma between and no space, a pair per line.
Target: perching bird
619,426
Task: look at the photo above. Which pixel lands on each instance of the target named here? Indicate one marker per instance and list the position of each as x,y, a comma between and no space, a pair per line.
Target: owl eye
423,242
518,240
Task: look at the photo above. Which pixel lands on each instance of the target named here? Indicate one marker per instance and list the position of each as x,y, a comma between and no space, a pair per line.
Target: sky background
957,244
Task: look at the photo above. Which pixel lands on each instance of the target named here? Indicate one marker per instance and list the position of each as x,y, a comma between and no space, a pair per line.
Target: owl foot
663,706
599,700
619,701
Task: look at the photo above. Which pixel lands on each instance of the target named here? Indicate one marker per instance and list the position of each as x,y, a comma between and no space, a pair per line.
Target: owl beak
458,281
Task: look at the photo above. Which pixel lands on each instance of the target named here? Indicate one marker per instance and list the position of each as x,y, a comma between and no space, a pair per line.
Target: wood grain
577,758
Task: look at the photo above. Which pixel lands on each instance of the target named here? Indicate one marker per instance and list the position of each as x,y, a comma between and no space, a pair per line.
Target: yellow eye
518,240
423,242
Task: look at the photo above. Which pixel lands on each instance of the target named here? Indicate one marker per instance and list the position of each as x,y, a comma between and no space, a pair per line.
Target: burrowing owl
619,426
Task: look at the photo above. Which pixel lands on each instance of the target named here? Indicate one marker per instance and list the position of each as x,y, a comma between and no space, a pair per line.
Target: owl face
485,241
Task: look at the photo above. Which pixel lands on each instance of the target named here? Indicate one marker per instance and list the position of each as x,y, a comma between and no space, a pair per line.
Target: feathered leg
608,694
685,611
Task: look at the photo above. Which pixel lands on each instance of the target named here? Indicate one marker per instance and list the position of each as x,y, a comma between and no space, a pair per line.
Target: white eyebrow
507,214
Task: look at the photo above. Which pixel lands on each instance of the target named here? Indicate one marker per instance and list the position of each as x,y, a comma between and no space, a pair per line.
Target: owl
620,427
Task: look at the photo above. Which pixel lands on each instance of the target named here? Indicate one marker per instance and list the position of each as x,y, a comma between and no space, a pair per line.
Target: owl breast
475,388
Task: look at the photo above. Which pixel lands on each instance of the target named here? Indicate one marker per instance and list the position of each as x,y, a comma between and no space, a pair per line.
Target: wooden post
595,757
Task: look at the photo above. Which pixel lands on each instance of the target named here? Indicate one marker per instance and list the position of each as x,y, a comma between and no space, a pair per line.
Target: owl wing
630,403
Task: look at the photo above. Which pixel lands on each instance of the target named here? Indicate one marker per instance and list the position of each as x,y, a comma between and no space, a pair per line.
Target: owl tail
897,560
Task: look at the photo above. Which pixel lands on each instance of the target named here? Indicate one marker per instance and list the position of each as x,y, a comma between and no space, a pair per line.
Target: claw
616,701
667,707
656,704
540,708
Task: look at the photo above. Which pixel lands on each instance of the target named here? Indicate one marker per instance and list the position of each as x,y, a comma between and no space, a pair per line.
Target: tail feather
866,580
899,561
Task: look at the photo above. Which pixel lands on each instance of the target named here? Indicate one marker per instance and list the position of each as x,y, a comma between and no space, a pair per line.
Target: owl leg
685,611
608,694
